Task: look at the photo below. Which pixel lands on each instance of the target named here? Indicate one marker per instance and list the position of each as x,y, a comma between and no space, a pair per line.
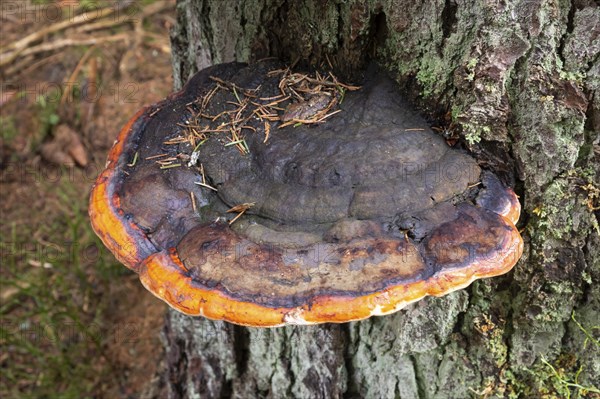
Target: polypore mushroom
265,198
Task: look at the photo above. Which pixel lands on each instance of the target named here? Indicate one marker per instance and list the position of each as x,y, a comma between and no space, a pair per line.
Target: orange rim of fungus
163,273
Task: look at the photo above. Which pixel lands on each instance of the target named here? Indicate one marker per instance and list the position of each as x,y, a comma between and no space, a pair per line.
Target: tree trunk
520,79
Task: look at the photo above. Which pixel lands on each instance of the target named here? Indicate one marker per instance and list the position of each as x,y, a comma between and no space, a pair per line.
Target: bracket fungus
264,197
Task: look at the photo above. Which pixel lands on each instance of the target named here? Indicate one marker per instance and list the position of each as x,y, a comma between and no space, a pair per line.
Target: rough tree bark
521,81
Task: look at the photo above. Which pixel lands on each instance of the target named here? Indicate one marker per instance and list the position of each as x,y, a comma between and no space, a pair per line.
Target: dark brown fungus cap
265,198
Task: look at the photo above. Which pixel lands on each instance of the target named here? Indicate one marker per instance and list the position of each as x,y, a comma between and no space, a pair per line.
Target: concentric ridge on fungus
264,197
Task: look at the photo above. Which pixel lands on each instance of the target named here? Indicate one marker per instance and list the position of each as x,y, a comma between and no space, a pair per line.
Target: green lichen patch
566,206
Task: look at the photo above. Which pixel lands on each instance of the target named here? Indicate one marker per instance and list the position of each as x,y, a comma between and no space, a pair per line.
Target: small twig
71,80
23,47
24,66
102,25
57,44
40,34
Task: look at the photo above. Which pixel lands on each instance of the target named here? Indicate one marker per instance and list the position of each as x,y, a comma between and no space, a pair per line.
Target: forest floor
73,321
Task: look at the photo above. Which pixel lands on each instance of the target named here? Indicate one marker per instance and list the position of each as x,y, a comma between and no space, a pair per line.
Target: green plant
48,111
564,382
565,379
8,131
53,307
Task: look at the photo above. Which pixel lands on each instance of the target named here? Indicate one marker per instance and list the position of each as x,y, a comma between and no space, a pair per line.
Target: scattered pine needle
206,185
156,156
267,131
193,199
240,209
135,158
238,113
175,165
